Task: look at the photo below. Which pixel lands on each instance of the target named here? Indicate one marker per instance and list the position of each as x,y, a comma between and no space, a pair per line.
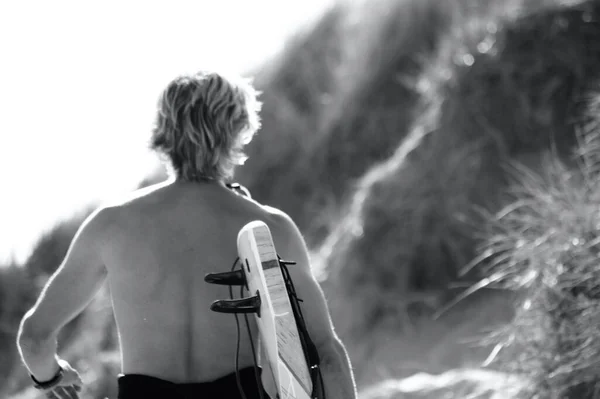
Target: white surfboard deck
276,324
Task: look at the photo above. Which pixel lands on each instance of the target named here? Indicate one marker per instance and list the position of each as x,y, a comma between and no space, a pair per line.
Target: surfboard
278,330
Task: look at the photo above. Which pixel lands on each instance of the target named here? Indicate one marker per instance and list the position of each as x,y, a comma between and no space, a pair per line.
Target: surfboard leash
252,305
237,350
311,353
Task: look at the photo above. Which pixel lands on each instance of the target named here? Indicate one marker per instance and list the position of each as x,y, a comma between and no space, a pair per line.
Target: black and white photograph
300,199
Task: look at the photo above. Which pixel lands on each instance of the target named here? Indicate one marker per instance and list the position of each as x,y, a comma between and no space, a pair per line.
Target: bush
455,384
503,86
16,297
546,244
339,99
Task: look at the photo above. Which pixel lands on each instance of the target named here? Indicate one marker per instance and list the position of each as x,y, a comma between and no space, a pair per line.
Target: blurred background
440,157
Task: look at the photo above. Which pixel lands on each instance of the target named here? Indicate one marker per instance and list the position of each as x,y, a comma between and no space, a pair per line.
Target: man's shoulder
281,223
119,209
94,228
131,198
276,214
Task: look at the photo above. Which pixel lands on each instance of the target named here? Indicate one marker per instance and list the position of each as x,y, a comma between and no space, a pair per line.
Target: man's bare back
160,244
156,246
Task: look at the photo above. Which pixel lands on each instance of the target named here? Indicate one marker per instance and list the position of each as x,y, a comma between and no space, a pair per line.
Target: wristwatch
50,383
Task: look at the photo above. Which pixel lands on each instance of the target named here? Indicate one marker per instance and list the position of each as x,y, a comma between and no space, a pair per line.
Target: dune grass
546,245
340,99
455,384
503,86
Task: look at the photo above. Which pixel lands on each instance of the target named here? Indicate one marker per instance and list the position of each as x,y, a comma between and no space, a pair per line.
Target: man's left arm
68,292
335,365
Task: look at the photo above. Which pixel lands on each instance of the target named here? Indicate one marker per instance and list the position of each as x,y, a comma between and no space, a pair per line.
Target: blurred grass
336,102
455,384
504,85
546,244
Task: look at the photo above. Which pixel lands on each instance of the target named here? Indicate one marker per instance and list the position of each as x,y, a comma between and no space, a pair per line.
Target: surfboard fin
244,305
236,277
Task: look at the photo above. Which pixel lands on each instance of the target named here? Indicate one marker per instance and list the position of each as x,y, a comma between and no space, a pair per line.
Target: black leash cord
237,350
310,350
256,374
308,347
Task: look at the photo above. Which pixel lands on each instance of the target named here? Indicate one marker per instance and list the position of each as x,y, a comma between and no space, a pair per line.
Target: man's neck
211,182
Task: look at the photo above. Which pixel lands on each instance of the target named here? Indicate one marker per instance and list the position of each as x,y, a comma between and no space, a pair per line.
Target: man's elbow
31,334
332,351
338,378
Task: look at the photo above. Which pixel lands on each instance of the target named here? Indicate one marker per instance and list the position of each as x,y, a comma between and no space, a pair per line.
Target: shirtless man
154,249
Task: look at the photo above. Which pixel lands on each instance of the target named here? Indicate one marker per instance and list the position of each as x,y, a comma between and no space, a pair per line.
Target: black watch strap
50,383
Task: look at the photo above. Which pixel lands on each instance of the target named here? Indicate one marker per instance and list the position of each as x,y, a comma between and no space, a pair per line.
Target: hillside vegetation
441,159
546,244
504,87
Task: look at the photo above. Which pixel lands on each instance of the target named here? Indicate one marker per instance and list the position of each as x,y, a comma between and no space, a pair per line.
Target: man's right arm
336,369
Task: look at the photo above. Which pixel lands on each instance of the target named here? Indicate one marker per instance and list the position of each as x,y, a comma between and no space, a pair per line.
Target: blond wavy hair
203,123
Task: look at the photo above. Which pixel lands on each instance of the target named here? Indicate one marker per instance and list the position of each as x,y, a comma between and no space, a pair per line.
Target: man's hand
69,386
